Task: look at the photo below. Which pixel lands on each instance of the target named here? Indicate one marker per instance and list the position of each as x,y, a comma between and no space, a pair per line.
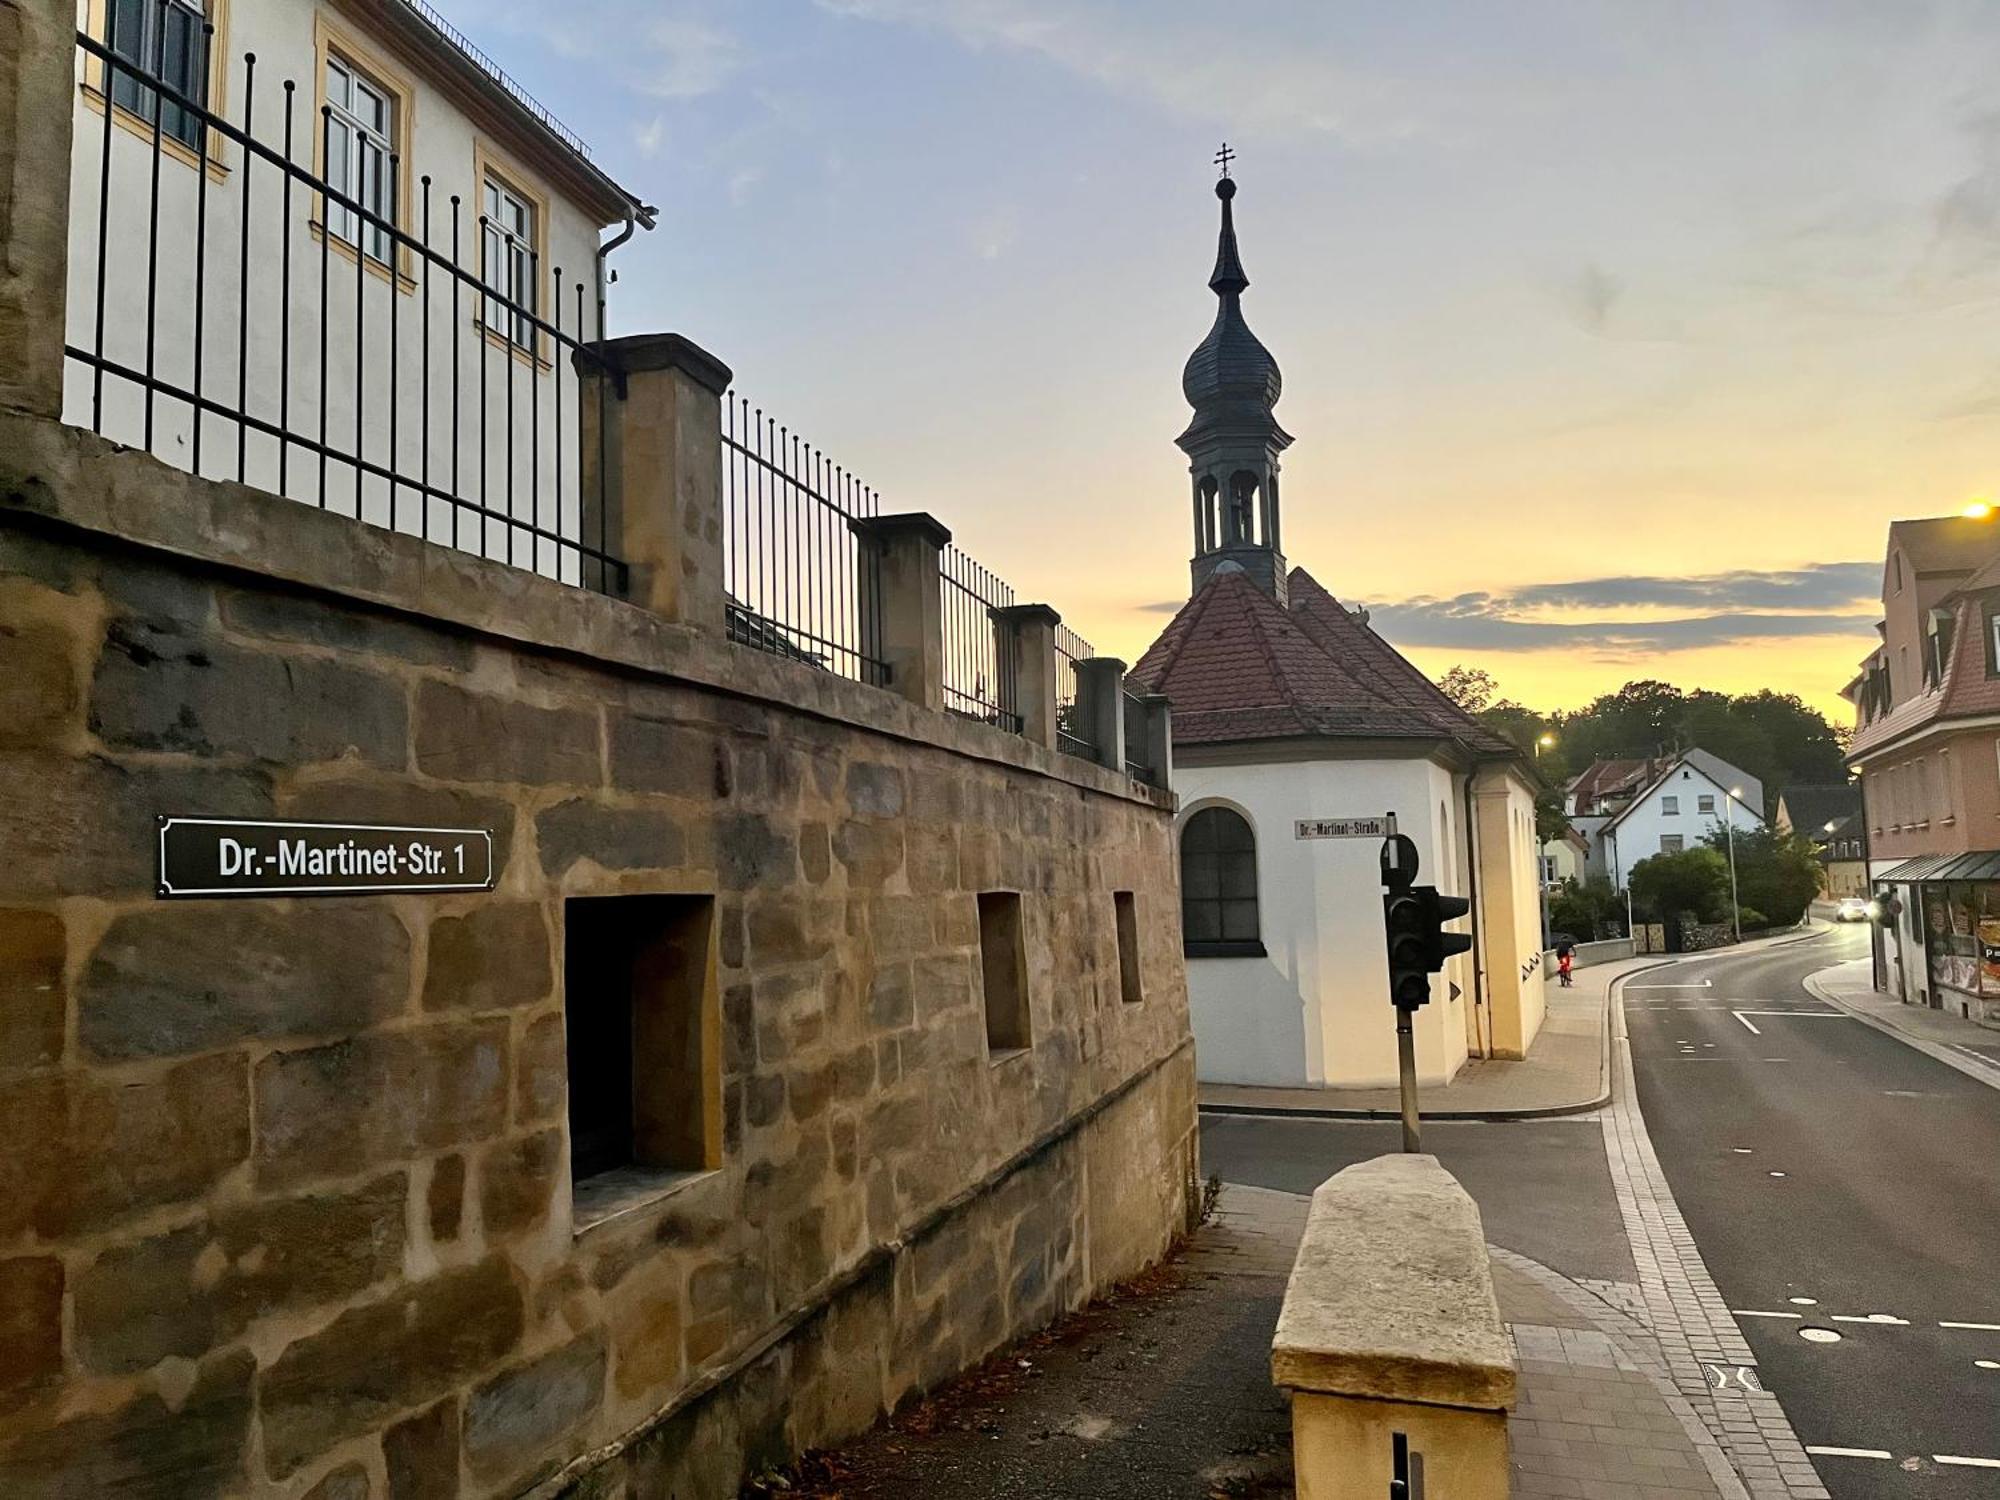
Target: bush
1693,881
1777,874
1589,910
1749,918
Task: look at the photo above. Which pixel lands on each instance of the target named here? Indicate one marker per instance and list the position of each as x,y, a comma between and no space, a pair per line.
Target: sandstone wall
284,1198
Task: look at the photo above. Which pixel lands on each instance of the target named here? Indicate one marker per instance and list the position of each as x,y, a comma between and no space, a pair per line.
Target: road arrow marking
1746,1021
1817,1452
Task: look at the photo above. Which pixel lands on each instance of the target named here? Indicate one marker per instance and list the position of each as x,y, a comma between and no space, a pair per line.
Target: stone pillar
902,602
37,107
1159,738
651,437
1030,631
1100,707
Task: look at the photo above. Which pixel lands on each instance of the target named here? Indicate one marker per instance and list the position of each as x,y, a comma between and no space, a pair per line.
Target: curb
1442,1116
1979,1071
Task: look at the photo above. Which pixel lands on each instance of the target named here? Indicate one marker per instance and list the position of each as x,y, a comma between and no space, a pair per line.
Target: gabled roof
1238,666
1667,768
1610,778
1966,690
1812,805
1944,544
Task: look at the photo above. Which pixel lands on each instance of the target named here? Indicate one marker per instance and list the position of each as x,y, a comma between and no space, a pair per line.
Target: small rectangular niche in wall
1003,961
1126,907
640,1017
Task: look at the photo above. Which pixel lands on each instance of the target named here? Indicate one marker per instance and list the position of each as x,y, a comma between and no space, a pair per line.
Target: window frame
1673,843
1704,803
488,165
1670,805
330,44
215,98
1221,946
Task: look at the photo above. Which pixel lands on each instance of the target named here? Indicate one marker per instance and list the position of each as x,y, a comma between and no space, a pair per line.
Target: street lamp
1729,817
1543,742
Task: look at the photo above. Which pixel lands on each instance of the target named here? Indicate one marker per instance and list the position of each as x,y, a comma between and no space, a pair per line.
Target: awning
1980,865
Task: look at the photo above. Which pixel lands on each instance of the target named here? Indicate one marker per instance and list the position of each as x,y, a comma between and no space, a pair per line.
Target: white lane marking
1986,1364
1818,1452
1975,1327
1702,985
1803,1015
1803,1301
1777,1174
1965,1463
1747,1312
1747,1023
1819,1335
1741,1150
1887,1320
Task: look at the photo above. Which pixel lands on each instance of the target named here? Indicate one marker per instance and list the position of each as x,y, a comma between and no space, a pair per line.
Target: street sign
1346,828
234,857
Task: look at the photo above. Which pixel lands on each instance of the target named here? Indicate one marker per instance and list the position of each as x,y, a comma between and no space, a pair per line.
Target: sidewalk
1164,1391
1965,1045
1567,1070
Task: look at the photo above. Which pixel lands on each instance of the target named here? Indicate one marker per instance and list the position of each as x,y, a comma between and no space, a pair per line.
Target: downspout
636,216
1482,1017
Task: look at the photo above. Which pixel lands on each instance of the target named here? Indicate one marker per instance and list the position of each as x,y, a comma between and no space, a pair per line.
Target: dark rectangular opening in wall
1003,961
639,1013
1126,907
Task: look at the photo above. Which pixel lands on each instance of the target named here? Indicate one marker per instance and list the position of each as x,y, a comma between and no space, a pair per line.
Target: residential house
1287,710
1926,746
1631,810
1830,815
362,253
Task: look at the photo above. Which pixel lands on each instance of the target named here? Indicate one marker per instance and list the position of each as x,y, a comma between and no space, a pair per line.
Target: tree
1471,688
1776,874
1692,880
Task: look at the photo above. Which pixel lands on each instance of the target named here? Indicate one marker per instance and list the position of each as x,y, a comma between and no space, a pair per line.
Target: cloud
685,58
674,56
1827,599
651,136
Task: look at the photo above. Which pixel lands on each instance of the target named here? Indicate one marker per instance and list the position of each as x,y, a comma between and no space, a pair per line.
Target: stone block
144,1449
33,997
513,1421
186,1291
751,851
348,1482
518,1180
901,926
541,1083
343,626
327,1111
421,1454
790,931
39,698
815,853
875,790
444,1198
31,1339
134,1144
467,736
891,1000
645,1324
763,1100
678,760
158,690
180,978
870,852
375,1361
614,838
81,827
493,957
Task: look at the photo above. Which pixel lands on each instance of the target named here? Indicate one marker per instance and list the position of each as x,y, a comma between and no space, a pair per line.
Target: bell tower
1233,443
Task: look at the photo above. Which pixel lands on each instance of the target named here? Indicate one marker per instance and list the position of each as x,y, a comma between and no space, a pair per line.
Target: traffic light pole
1406,1073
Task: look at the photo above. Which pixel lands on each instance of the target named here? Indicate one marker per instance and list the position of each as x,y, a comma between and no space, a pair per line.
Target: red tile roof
1237,665
1611,778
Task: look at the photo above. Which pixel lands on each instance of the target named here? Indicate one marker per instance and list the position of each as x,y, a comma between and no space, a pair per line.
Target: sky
1614,335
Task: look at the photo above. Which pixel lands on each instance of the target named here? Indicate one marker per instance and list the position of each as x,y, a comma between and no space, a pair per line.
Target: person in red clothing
1565,959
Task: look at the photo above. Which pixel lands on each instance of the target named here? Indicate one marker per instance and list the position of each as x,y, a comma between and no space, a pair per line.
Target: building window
1125,909
1705,803
1003,967
360,127
164,41
1548,869
1670,807
1671,843
640,1021
1993,645
507,260
1219,886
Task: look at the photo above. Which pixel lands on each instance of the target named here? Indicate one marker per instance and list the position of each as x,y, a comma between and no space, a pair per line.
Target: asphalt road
1817,1158
1542,1186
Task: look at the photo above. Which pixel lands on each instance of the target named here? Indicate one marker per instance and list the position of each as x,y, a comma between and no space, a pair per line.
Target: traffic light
1405,918
1438,910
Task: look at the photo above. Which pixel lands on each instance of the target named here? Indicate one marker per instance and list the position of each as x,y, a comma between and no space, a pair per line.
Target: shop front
1956,902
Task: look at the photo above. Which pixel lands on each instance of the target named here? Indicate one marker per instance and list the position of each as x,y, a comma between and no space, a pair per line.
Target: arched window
1219,886
1242,506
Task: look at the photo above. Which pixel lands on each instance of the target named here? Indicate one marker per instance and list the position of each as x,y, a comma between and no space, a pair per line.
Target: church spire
1234,439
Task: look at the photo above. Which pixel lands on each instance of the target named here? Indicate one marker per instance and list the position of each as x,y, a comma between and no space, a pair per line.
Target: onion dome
1230,375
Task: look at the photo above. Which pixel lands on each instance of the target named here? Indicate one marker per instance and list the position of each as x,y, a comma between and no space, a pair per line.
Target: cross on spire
1224,157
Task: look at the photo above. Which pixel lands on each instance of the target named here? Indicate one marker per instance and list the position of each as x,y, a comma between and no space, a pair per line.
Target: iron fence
292,313
979,652
801,584
1071,733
